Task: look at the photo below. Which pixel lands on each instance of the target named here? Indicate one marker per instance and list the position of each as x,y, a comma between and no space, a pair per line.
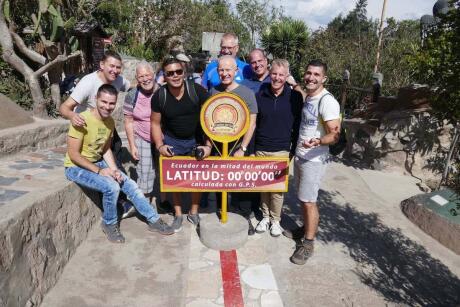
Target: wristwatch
244,149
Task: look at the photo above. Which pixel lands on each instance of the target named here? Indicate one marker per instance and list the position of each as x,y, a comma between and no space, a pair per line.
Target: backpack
338,147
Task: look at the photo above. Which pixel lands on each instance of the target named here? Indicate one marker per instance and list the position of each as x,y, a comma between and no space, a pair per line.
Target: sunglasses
171,73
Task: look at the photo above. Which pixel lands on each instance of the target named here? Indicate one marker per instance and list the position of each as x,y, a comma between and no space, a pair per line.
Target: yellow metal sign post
224,118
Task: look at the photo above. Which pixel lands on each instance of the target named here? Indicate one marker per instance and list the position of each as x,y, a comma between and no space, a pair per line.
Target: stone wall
400,134
36,243
30,137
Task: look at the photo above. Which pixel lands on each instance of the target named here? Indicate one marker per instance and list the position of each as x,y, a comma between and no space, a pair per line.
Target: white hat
182,57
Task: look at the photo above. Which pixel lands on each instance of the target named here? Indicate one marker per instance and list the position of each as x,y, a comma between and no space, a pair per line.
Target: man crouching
89,162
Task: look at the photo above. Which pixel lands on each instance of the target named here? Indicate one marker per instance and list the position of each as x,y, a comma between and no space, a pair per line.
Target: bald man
227,69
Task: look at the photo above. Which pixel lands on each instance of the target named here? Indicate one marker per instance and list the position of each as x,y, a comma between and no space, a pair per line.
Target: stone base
228,236
444,227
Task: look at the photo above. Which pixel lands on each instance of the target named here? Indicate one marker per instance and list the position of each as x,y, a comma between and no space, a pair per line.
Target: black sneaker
303,251
113,233
177,223
297,233
164,207
128,210
193,218
161,227
251,230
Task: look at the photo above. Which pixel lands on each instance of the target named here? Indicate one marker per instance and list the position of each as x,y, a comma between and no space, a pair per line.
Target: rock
423,187
434,218
12,115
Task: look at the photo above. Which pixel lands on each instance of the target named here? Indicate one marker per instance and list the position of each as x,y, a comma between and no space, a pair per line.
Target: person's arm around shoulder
296,86
66,109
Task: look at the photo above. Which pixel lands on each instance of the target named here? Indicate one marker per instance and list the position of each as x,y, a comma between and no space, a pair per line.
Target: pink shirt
141,117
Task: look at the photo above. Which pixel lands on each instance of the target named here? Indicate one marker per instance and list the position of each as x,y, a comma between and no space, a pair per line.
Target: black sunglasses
171,73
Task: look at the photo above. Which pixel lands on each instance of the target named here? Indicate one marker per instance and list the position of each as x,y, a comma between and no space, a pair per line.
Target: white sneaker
263,225
275,229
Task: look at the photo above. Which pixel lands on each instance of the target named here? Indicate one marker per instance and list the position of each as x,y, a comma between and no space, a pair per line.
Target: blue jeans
180,147
110,189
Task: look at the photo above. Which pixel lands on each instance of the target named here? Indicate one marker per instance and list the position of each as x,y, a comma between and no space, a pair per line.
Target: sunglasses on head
171,73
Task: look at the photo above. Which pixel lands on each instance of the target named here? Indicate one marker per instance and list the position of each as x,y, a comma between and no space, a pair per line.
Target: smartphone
169,150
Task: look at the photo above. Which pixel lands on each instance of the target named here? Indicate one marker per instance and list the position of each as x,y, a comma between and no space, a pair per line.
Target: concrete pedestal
228,236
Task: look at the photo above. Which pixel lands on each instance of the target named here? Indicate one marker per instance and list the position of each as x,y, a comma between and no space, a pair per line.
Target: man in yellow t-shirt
90,163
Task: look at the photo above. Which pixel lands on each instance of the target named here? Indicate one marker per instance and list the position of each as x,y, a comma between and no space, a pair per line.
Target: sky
317,13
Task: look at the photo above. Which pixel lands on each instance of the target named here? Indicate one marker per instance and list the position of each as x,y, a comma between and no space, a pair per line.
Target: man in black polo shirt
176,126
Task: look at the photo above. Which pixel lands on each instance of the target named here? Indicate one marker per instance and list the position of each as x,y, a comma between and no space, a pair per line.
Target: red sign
181,174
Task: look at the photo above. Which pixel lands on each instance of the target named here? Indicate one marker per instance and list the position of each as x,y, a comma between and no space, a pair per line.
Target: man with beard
319,127
137,111
90,163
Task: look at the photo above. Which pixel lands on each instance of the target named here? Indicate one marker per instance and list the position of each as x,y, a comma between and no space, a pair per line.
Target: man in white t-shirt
84,94
319,127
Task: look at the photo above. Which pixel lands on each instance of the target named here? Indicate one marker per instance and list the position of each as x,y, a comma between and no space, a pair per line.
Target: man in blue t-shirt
228,46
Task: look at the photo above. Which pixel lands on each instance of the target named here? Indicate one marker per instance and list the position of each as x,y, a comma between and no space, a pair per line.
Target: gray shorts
308,176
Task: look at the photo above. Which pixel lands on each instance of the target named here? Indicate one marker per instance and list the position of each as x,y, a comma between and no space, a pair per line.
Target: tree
287,39
438,64
256,16
47,29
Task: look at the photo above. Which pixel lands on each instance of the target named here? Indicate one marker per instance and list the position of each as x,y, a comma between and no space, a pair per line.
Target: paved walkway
367,252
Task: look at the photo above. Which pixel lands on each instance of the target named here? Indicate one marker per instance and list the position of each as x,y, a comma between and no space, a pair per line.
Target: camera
198,153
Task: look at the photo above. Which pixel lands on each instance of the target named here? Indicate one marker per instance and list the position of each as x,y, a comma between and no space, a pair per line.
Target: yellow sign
224,117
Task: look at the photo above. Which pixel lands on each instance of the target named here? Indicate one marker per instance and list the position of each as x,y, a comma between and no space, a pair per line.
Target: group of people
285,121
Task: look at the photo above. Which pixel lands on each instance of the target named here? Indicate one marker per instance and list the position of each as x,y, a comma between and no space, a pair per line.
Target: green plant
287,39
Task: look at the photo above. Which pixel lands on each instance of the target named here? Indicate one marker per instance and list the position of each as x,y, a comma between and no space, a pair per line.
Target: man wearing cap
228,46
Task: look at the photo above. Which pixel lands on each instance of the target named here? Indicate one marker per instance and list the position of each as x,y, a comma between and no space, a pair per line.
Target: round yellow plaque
224,117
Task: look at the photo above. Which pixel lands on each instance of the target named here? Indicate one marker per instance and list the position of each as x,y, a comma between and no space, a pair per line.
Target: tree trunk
447,164
39,106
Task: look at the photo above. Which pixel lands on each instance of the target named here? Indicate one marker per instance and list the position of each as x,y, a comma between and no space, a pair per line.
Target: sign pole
223,213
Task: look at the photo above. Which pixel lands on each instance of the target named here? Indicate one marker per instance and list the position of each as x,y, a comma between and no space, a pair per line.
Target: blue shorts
180,147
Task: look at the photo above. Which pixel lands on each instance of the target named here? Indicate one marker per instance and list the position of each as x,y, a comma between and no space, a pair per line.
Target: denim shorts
180,147
308,176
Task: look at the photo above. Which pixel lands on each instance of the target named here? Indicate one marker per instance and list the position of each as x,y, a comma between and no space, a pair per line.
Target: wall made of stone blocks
37,242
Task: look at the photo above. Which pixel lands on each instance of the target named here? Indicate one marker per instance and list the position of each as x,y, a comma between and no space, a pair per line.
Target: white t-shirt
311,125
86,90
